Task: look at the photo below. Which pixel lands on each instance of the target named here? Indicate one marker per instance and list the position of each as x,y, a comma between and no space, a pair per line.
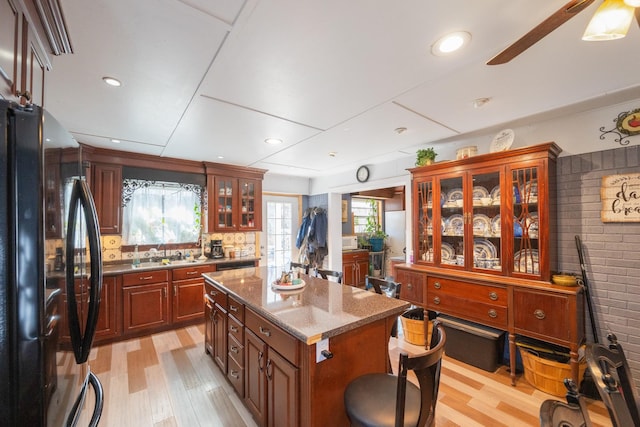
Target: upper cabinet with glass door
235,201
492,213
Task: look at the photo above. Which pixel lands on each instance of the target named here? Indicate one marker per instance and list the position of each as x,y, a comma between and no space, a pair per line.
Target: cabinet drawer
235,329
487,314
543,314
192,272
143,277
236,351
216,294
493,295
355,256
273,336
236,309
235,374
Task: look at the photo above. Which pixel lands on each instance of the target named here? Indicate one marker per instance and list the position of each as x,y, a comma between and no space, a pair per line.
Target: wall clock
362,174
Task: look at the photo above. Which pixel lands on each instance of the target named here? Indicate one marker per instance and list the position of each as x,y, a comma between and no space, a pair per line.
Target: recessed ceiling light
115,141
273,141
221,157
450,43
480,102
332,153
400,130
111,81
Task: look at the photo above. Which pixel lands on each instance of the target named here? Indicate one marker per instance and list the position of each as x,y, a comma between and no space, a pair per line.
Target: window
279,234
157,212
361,209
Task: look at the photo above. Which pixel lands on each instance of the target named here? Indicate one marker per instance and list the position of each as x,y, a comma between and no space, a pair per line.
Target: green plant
373,227
425,156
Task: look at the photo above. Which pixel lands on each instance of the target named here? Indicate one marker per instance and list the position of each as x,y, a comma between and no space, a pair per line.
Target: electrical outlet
321,346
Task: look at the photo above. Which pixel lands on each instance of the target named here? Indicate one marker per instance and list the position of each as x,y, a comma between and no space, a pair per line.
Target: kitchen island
269,343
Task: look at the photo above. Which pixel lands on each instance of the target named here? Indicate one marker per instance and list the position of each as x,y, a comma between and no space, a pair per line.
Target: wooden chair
325,274
611,373
303,268
386,400
574,413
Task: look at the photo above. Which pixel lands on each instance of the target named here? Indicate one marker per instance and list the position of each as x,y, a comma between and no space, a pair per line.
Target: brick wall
611,250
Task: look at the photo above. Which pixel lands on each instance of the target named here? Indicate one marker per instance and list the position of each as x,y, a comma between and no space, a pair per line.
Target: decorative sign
620,196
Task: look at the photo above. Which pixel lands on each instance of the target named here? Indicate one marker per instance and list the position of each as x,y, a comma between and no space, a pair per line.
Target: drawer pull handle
409,285
234,374
233,329
436,300
191,273
260,358
437,285
214,314
213,293
265,331
234,349
493,314
269,370
145,277
233,308
540,315
493,296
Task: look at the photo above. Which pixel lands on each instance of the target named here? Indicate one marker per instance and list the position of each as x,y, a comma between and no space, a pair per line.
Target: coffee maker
216,249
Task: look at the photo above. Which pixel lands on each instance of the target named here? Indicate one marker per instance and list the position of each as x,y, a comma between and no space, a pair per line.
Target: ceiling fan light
611,21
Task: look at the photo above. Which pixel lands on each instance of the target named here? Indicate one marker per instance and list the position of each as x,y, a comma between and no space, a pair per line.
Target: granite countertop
321,309
119,268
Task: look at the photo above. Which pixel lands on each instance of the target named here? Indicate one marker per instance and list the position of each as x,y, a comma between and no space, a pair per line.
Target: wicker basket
548,375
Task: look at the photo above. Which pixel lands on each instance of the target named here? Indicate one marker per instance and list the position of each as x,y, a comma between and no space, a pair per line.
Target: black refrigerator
50,274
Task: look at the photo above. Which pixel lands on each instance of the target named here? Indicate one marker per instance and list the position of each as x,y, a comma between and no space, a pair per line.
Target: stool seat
380,412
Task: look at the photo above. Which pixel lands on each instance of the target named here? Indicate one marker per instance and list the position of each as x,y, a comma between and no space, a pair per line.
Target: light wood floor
167,380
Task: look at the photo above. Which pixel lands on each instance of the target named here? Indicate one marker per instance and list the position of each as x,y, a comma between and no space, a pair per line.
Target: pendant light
611,21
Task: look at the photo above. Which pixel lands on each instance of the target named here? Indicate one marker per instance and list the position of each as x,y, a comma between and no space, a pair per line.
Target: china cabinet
484,240
492,213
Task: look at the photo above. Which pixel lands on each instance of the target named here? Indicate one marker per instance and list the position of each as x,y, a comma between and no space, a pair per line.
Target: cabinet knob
233,329
233,308
437,285
234,349
234,374
540,314
213,293
493,296
493,314
409,286
436,300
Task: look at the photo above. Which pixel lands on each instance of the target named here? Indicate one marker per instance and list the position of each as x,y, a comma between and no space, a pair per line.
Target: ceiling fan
558,18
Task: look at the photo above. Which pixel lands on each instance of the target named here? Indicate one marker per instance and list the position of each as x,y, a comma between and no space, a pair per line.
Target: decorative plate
481,225
484,249
517,228
495,195
496,226
479,192
531,225
290,287
454,226
526,261
447,253
530,192
502,141
453,195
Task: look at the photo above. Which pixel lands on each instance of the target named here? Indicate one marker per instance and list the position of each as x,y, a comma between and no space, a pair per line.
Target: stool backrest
427,367
326,274
303,268
382,286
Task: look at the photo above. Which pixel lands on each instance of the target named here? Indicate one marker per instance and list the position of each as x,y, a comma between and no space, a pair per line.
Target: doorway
280,219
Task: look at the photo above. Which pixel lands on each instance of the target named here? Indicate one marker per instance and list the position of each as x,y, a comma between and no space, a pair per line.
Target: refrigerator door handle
97,389
81,194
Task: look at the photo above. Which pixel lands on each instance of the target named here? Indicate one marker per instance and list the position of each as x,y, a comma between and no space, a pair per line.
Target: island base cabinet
271,385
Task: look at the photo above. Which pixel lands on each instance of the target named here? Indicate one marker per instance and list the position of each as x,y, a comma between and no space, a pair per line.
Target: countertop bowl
564,280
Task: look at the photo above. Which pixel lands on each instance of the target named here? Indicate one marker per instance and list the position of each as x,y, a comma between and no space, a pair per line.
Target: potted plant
373,228
425,156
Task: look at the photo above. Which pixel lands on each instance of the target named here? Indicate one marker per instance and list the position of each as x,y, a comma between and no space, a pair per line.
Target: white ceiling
209,78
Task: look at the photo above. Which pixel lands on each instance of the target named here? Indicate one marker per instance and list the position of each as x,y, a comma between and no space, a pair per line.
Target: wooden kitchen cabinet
188,291
23,64
216,325
272,388
412,286
145,301
235,198
108,326
355,267
106,183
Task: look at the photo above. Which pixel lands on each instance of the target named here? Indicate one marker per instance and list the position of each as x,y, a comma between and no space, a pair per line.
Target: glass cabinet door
247,203
224,193
452,222
425,194
486,221
525,220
